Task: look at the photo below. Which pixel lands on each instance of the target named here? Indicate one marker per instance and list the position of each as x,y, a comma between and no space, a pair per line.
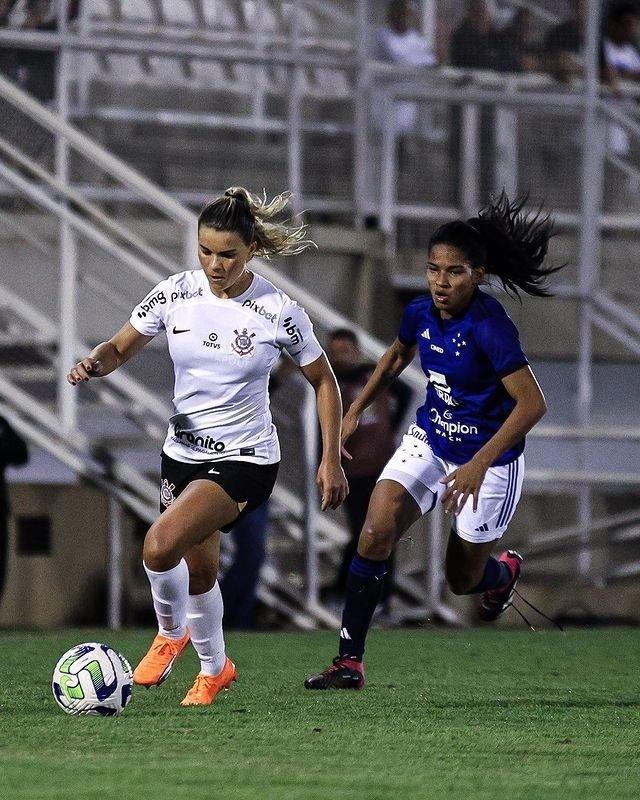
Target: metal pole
362,159
295,120
435,568
592,176
506,150
310,429
389,176
470,159
67,296
429,21
114,575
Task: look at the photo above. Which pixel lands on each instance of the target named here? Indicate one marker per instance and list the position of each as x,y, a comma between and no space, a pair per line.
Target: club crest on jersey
243,346
166,493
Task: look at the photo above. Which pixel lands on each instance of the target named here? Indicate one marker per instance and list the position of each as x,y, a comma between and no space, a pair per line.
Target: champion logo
425,334
344,634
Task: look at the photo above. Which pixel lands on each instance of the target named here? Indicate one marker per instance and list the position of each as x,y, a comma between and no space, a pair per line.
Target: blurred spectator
400,42
13,451
518,49
475,43
39,66
371,445
240,581
563,44
620,43
621,60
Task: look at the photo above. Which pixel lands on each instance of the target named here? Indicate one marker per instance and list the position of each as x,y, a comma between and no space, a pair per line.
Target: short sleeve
295,334
148,316
407,330
498,338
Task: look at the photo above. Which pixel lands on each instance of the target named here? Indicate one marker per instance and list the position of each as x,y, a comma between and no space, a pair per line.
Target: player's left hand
462,482
333,485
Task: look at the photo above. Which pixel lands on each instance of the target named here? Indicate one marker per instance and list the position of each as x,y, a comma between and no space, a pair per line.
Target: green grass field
474,714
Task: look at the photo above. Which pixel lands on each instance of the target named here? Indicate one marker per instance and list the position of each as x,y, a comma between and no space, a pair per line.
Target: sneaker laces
537,610
162,647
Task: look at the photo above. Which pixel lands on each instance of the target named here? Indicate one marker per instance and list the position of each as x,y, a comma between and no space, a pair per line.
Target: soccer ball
92,678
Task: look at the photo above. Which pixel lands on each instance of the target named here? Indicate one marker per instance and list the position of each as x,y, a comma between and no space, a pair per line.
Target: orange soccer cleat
207,687
155,667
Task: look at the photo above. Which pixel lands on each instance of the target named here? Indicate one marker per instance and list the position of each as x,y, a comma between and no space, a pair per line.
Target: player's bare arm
331,479
529,409
108,356
397,357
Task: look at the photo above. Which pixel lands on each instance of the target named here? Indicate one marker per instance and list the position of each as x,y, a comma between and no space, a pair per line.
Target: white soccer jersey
223,351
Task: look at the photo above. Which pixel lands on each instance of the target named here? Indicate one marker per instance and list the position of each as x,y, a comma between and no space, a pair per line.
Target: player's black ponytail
505,241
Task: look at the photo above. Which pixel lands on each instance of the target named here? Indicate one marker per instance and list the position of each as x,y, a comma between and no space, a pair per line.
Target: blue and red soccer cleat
496,601
344,673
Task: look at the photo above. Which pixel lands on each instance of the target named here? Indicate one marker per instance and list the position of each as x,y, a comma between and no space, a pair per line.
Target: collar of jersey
243,296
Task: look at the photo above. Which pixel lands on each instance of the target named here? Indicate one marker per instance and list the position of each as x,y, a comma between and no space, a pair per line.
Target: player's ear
478,274
252,250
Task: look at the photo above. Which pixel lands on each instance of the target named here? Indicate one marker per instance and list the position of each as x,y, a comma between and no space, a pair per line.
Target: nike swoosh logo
214,471
183,330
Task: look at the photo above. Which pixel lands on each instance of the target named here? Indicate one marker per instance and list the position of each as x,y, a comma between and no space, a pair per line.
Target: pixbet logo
212,341
259,310
292,331
201,442
158,299
185,295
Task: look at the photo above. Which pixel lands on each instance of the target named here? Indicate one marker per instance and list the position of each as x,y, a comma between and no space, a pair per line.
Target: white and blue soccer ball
92,678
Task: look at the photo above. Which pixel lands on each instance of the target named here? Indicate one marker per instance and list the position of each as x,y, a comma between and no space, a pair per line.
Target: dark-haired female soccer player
226,327
466,448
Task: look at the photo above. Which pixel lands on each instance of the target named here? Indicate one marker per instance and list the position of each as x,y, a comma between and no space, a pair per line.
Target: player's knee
160,552
202,577
376,541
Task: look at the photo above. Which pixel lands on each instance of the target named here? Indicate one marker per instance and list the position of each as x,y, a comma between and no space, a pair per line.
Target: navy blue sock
364,589
496,574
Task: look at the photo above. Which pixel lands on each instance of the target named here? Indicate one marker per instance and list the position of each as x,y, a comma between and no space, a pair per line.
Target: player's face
223,257
451,279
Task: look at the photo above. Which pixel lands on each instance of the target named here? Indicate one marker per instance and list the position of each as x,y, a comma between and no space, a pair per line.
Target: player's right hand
84,370
349,424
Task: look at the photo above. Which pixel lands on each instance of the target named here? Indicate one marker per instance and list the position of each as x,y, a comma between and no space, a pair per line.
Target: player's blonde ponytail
250,216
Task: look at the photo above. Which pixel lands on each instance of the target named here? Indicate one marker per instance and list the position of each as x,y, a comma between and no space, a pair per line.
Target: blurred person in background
400,42
621,61
563,43
620,42
37,68
371,445
14,453
518,48
240,582
475,43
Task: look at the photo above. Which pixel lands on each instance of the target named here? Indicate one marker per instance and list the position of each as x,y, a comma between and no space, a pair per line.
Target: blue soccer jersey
464,359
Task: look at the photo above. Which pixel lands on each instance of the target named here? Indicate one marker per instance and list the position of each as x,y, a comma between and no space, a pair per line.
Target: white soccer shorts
415,466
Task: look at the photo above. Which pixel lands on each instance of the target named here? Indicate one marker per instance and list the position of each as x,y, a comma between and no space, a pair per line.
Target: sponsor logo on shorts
205,444
166,493
292,331
243,346
453,431
211,341
261,311
418,433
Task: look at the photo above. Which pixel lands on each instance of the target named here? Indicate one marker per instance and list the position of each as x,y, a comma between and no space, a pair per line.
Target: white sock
170,592
204,618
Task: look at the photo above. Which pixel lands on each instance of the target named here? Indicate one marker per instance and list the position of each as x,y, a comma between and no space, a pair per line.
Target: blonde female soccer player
226,326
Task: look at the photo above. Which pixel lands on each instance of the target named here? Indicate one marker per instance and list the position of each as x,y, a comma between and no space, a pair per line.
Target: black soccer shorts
243,481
